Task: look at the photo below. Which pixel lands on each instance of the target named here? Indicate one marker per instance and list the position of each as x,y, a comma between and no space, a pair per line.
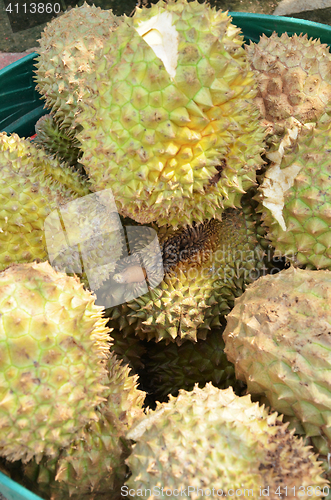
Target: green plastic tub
21,106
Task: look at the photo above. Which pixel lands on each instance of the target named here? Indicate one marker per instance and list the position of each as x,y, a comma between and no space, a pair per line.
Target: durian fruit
278,337
93,464
169,124
211,438
128,347
59,143
294,79
295,197
53,353
169,368
206,266
67,51
31,187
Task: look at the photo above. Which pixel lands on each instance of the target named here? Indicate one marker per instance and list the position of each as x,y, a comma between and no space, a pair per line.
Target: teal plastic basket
21,106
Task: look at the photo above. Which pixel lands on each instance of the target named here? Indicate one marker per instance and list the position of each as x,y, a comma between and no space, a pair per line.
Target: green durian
59,143
53,353
278,336
32,186
94,463
295,197
128,347
211,438
67,52
169,124
169,368
206,266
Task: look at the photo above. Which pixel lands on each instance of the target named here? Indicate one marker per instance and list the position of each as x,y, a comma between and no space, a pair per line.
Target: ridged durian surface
175,145
93,464
278,337
211,438
53,352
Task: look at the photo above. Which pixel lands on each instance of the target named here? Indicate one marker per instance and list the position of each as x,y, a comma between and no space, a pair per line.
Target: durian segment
293,74
211,438
94,463
278,337
174,148
299,221
31,187
53,353
67,51
58,143
206,266
169,368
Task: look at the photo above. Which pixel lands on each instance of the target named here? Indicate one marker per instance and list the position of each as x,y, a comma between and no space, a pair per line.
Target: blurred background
21,21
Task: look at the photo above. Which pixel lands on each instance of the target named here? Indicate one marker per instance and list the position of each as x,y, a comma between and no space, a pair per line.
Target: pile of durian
165,257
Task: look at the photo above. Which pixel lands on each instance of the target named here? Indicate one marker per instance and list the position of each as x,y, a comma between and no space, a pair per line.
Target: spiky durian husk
94,463
54,346
295,197
58,143
128,347
194,440
206,266
278,338
293,74
169,368
31,187
173,148
66,55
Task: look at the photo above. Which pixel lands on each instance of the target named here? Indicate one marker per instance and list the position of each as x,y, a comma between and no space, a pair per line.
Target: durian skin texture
66,54
306,239
95,463
172,367
211,438
278,337
31,187
197,290
61,144
293,74
173,149
53,352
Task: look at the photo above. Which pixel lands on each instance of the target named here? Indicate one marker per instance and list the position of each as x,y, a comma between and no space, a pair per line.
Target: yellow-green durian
211,438
31,187
53,352
94,463
169,123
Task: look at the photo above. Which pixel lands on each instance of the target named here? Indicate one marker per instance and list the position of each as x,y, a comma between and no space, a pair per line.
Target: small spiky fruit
206,267
194,440
294,79
169,368
169,124
94,463
278,337
31,187
59,143
66,55
295,197
53,353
